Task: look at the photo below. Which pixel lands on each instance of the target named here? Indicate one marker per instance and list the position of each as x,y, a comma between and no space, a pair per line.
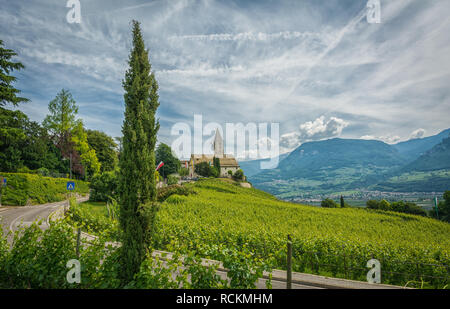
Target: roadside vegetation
31,189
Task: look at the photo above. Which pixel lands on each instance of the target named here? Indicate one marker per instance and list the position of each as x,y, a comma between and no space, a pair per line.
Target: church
227,162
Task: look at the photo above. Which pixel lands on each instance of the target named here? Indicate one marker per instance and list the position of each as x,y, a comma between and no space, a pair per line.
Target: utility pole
70,166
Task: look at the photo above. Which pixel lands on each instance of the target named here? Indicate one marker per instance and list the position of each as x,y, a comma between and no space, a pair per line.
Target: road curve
11,217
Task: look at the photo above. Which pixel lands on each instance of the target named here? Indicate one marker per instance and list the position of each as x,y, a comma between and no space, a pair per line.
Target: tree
60,123
171,163
342,202
384,205
61,120
408,208
329,203
137,185
8,94
103,187
216,162
239,175
87,154
24,143
204,169
443,208
372,204
105,149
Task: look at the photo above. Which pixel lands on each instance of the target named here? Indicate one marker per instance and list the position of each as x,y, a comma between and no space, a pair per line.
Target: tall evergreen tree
8,94
60,123
137,184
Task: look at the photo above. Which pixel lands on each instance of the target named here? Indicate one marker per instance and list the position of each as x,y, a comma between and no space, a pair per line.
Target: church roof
225,161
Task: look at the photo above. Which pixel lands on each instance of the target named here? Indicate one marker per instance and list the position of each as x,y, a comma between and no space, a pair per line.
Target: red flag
160,165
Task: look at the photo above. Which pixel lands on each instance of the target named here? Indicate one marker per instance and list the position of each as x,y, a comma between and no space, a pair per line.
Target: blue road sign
70,185
4,181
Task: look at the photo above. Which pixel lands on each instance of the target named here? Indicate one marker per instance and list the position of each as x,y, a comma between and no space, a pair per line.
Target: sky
316,67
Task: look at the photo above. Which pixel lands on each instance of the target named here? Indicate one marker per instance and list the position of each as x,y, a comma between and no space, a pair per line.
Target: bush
329,203
32,189
43,171
165,192
37,260
384,205
172,180
205,170
239,175
103,187
372,204
400,206
408,208
25,170
183,172
91,222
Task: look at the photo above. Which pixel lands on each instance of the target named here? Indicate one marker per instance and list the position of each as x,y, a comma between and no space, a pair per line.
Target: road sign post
70,186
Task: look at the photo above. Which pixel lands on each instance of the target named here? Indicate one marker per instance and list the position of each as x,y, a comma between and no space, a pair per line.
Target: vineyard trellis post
289,263
345,264
78,242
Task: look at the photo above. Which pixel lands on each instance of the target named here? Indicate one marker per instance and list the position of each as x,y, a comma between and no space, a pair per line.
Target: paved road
12,217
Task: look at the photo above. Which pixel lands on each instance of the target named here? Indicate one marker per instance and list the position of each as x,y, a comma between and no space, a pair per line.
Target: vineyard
337,242
212,217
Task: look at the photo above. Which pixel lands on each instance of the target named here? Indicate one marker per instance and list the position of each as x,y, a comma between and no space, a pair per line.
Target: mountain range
345,165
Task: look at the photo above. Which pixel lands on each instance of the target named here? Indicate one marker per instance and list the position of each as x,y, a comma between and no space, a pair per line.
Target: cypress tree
137,185
342,202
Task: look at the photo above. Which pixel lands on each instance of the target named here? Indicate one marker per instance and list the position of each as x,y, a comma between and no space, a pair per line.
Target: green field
335,242
95,208
419,181
224,214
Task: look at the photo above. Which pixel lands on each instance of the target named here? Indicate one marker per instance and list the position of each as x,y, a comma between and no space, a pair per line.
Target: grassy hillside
437,158
429,173
31,189
225,215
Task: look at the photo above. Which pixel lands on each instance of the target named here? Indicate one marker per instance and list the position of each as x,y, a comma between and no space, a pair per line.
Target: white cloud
389,139
314,130
283,62
419,133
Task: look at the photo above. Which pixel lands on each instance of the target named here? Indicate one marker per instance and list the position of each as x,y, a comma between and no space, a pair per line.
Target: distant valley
352,166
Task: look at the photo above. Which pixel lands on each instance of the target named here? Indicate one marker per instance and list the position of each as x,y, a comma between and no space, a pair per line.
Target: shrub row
38,260
165,192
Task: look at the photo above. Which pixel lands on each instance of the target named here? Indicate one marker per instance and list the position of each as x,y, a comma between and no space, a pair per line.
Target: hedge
32,189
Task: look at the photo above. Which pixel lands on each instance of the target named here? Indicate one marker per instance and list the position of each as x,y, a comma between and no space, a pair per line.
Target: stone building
227,162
